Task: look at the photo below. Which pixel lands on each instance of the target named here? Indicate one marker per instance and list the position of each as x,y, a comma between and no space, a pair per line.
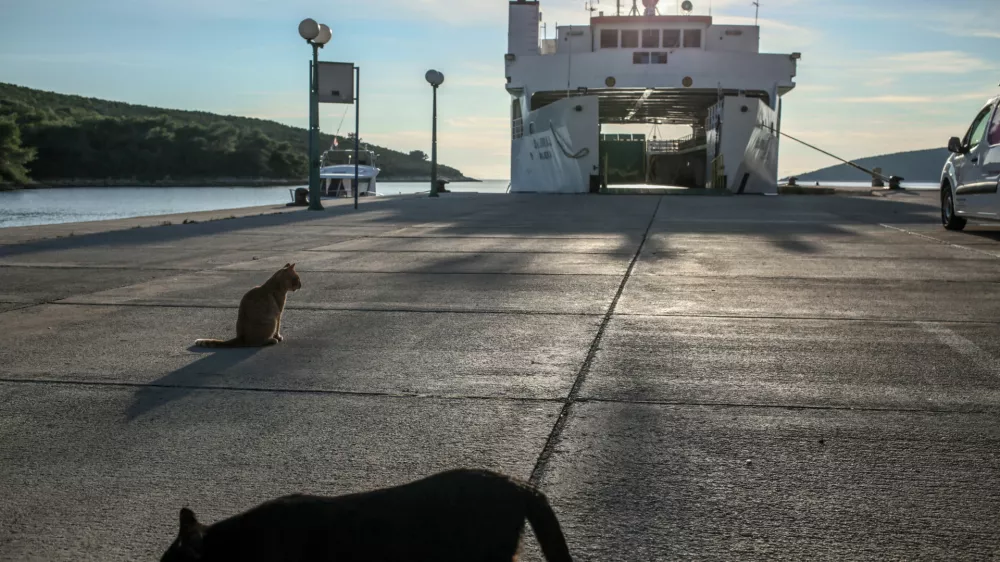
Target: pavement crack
278,390
779,406
938,240
571,398
794,318
321,250
334,308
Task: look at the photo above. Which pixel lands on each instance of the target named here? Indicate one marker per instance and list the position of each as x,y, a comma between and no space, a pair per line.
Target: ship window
671,38
651,39
609,38
692,38
630,39
640,57
659,58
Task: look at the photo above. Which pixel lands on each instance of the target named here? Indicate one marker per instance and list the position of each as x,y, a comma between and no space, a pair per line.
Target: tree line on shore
49,136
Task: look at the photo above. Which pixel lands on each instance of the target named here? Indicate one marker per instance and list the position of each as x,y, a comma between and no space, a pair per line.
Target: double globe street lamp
317,35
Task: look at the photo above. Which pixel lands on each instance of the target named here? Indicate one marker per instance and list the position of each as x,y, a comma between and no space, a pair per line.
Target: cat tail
235,342
546,526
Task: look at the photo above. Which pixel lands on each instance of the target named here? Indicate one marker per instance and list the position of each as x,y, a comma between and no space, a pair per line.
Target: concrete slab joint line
571,398
939,241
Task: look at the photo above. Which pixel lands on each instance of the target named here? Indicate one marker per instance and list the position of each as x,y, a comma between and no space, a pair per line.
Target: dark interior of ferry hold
650,159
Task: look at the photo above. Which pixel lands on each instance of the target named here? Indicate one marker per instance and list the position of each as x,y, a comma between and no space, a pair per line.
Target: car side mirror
955,145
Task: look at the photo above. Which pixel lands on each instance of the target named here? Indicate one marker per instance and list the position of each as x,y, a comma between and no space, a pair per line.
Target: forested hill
914,166
45,136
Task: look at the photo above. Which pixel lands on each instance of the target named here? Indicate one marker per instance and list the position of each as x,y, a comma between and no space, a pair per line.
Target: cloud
985,33
915,63
888,99
810,88
934,62
764,23
445,11
882,82
916,99
496,80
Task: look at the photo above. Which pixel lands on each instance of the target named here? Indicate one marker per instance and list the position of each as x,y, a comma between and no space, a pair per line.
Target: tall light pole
317,35
435,79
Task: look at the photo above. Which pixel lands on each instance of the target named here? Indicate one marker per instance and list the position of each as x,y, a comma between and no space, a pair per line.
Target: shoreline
216,182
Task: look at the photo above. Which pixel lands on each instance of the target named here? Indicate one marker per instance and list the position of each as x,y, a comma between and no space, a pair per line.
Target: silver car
970,180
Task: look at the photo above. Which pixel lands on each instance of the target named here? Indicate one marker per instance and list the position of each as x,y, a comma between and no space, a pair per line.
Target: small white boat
337,172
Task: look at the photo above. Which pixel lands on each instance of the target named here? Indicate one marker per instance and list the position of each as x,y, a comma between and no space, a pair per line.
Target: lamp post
317,35
435,79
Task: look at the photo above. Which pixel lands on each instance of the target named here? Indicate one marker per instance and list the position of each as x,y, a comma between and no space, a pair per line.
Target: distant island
51,139
915,166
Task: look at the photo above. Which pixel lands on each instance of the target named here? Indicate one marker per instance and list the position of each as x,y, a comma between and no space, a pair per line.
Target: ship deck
676,106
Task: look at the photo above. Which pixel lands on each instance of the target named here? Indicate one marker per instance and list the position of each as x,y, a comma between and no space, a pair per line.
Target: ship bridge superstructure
645,68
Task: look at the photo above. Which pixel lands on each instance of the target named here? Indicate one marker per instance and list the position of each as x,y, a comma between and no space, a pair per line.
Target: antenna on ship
618,7
589,6
635,8
756,10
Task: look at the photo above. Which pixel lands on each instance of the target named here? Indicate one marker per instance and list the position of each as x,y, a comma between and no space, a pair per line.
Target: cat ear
292,266
189,539
188,520
288,266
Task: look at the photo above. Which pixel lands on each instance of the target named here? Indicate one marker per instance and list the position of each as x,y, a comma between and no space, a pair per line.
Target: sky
875,77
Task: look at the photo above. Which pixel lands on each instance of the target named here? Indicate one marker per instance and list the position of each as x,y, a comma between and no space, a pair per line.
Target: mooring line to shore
571,398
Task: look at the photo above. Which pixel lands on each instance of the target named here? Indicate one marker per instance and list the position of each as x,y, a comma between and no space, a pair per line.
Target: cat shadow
187,380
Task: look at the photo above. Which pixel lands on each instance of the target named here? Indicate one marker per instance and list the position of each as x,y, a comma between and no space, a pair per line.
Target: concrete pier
751,378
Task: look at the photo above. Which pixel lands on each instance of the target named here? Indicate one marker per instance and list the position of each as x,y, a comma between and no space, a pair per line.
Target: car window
994,134
978,129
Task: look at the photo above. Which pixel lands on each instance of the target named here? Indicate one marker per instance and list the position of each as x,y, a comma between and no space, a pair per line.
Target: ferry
643,68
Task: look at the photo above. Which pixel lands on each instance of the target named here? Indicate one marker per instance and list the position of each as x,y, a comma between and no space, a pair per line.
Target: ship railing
660,146
673,145
517,128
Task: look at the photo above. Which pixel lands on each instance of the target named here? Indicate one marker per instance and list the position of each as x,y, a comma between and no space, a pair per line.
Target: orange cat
259,320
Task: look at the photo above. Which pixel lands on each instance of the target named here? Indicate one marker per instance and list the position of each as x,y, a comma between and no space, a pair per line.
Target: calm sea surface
81,204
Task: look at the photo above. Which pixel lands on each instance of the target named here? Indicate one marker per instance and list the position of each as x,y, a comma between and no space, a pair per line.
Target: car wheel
949,219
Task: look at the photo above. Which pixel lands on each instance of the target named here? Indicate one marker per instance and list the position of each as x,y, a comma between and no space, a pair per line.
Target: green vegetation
49,137
13,156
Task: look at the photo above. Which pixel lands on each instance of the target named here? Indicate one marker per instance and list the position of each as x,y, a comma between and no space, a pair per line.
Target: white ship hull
338,180
346,172
558,150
